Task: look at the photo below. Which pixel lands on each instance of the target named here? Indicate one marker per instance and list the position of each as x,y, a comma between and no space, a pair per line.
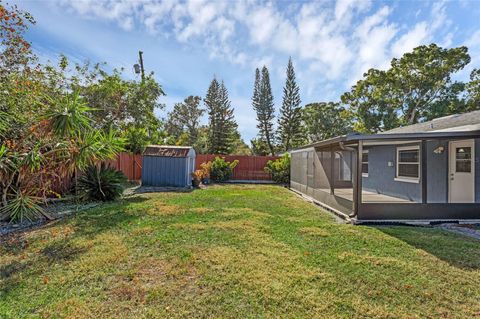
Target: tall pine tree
222,125
290,133
262,102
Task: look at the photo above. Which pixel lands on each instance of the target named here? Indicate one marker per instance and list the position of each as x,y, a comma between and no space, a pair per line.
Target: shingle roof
458,122
167,150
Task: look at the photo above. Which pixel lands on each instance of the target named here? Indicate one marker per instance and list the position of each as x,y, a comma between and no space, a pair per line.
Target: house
166,165
421,173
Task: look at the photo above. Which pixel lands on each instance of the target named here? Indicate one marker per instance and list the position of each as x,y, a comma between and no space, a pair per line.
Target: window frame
397,164
367,162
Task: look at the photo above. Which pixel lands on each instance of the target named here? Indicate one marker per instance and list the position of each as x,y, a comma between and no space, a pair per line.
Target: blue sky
332,43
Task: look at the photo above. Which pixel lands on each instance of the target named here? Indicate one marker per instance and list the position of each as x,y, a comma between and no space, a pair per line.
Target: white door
461,173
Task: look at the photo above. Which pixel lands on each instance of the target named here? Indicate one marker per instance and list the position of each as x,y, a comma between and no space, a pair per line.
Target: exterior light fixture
439,150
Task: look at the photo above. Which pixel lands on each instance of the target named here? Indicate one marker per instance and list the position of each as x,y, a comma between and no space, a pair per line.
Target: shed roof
167,150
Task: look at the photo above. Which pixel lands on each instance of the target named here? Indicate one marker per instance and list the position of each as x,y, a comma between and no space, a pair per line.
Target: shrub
280,169
101,183
21,207
222,170
137,139
206,169
197,177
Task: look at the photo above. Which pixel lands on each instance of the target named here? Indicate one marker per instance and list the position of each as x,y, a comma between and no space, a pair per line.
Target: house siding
437,172
381,177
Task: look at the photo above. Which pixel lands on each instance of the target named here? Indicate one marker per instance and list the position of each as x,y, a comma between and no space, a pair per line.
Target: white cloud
374,36
411,39
473,45
262,23
117,11
344,8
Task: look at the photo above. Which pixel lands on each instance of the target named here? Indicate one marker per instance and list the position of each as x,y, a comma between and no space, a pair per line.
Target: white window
408,164
365,163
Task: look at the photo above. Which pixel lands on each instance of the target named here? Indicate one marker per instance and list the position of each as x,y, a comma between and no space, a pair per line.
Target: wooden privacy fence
249,168
130,164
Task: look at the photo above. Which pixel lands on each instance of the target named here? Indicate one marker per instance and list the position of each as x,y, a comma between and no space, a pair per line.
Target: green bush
101,183
20,208
280,169
222,170
137,139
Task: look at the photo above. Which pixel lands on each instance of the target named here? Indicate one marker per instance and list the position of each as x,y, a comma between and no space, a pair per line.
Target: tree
185,118
370,102
422,77
262,102
259,147
222,125
46,128
407,93
325,120
289,124
239,147
15,52
473,91
125,104
201,144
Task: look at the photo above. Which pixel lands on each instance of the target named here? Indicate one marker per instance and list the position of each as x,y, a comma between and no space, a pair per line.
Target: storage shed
168,165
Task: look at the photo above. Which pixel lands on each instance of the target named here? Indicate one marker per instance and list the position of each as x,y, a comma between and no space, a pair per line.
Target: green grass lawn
234,252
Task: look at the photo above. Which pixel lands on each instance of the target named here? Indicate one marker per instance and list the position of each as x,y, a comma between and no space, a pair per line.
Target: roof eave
393,136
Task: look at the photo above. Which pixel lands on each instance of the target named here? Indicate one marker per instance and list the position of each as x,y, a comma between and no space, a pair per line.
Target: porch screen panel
310,169
322,173
343,174
295,167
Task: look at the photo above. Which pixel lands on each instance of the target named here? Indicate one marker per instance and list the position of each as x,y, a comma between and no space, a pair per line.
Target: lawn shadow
11,274
158,189
106,217
62,251
87,224
457,250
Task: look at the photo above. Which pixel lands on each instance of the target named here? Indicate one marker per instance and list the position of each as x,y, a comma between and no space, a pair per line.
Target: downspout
351,149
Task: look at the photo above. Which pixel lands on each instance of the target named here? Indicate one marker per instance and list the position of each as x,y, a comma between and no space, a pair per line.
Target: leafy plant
206,169
101,183
21,207
197,177
280,169
222,170
68,115
137,139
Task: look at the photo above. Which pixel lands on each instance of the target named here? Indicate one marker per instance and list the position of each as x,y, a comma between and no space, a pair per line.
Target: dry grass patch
164,209
313,231
202,210
190,226
153,279
142,231
244,212
106,249
71,308
365,258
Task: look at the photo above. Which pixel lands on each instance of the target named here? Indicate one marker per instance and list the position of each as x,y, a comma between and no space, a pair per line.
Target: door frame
450,164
